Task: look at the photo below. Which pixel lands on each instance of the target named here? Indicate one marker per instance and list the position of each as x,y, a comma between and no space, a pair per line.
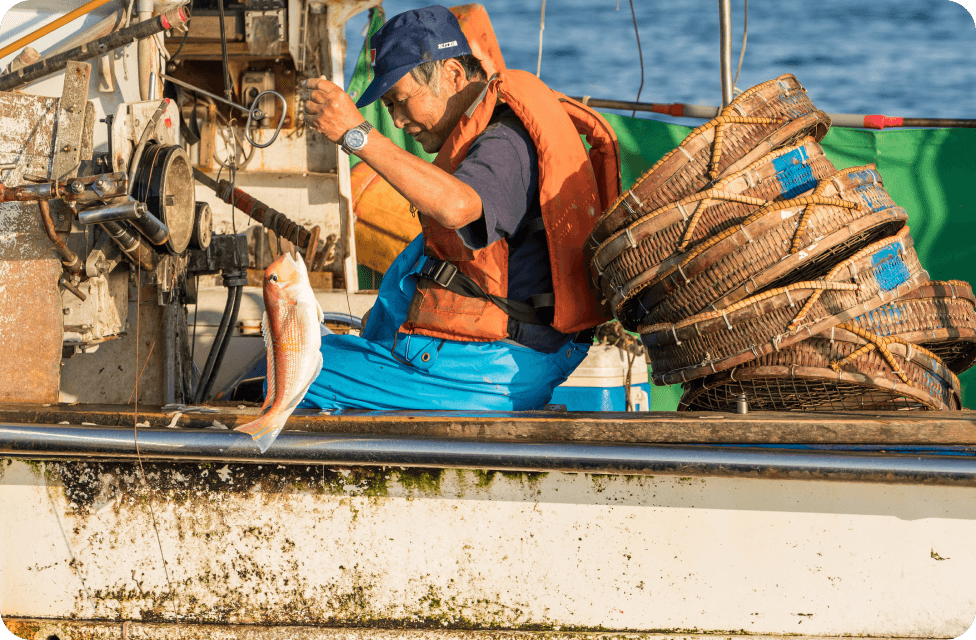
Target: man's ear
454,73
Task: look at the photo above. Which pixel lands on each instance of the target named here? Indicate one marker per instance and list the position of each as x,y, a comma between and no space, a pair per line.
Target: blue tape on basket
870,195
886,320
889,269
794,173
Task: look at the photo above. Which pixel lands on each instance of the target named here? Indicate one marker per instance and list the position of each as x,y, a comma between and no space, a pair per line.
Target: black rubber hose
177,17
232,306
238,295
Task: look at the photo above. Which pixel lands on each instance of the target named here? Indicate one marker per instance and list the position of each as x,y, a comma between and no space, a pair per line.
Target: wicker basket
635,254
718,340
939,316
789,243
768,116
801,378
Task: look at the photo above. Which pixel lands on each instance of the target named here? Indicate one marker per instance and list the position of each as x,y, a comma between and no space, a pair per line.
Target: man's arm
430,189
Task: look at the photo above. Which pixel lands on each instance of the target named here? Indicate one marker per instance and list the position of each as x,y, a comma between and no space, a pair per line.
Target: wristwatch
355,138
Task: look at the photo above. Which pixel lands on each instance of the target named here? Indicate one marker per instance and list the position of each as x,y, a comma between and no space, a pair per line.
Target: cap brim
382,84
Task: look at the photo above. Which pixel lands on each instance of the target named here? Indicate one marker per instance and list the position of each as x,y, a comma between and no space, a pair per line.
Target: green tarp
928,172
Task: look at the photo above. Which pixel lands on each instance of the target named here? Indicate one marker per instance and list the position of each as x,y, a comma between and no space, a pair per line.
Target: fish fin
321,314
269,345
301,396
265,429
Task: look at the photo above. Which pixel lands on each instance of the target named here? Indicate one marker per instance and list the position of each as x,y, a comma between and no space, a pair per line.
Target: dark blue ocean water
908,58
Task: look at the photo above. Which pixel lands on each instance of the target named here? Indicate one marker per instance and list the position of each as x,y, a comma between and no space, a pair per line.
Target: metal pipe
102,28
144,9
725,48
78,293
51,26
111,213
293,447
130,244
706,112
257,210
150,226
69,258
172,19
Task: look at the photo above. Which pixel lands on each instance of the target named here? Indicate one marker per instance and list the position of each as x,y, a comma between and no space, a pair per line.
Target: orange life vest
571,194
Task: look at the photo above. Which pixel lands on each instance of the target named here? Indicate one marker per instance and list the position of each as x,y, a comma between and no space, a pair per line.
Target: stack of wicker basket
752,267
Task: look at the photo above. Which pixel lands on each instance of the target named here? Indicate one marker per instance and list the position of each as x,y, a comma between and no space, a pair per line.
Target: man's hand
330,110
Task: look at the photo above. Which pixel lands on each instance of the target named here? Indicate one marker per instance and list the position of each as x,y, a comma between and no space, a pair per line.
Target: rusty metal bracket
71,121
72,138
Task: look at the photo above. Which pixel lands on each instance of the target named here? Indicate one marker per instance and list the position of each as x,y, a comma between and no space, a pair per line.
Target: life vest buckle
440,271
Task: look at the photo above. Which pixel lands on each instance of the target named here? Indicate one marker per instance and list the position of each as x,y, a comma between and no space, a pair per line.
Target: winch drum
164,181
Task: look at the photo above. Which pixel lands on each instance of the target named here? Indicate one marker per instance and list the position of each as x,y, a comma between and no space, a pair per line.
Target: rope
816,285
804,220
719,124
833,272
875,342
703,197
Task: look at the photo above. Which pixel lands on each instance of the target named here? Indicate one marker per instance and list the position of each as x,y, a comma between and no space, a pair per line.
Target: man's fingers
316,83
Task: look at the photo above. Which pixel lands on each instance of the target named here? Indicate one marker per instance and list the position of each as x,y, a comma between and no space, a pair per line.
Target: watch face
355,139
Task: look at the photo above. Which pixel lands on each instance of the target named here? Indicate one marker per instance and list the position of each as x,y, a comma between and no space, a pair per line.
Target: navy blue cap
410,39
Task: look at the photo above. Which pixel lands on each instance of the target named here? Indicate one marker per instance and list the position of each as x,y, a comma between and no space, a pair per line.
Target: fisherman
491,307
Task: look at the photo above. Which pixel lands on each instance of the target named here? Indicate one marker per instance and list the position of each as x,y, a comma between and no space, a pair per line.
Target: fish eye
273,277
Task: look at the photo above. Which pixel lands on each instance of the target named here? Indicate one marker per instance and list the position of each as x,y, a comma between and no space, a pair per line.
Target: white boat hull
462,550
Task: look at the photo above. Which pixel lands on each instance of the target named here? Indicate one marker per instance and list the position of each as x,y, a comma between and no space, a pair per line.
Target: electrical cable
186,32
228,81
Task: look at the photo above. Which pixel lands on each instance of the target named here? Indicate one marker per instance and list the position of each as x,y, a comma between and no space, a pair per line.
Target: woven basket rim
825,375
840,183
815,122
655,216
668,335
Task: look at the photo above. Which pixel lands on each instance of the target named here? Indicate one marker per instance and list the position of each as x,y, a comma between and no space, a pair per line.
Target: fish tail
264,430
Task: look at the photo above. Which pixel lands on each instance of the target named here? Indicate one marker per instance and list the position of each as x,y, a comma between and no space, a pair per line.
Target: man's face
421,114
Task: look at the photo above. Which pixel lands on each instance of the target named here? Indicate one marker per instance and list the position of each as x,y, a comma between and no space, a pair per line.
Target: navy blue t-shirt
503,168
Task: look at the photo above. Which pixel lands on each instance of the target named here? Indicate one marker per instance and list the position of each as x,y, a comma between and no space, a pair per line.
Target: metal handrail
293,447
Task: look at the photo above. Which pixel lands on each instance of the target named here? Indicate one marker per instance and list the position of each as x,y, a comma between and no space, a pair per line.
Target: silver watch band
363,126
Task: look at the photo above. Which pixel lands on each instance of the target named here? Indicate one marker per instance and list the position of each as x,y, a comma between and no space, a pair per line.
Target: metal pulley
202,226
164,182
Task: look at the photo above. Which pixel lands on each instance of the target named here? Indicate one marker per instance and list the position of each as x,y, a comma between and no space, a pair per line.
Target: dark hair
426,72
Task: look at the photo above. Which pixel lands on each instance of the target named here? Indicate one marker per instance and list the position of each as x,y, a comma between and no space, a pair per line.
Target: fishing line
640,54
745,34
135,434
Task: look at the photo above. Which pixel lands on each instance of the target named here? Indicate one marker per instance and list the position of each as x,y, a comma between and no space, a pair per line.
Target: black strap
445,274
534,226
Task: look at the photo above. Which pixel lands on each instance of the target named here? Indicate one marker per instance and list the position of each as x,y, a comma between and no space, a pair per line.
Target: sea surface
906,58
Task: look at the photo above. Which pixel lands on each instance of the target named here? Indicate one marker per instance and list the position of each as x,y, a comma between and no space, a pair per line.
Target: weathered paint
370,547
30,320
44,630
